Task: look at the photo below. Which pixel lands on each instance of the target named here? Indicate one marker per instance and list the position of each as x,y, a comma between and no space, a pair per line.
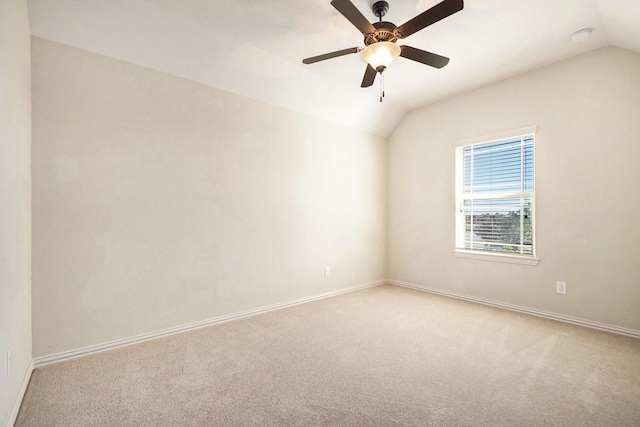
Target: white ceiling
255,48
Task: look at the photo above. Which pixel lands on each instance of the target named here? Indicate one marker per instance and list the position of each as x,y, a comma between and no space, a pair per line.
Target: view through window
495,196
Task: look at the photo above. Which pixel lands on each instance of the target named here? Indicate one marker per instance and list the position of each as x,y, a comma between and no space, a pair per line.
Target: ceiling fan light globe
380,55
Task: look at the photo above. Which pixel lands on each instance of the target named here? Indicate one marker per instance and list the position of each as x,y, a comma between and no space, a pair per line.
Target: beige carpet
384,356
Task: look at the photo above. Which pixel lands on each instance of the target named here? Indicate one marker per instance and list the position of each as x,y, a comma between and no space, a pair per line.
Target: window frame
460,228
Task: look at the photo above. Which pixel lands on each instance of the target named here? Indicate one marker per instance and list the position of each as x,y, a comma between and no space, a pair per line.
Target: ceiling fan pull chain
381,86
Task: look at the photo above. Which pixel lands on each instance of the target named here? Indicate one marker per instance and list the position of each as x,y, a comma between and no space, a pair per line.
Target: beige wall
587,110
158,202
15,201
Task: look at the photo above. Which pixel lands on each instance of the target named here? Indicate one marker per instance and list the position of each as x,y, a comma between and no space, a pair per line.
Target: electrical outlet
327,271
8,362
561,288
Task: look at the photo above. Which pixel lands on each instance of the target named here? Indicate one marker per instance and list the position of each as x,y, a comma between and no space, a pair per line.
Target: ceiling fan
380,37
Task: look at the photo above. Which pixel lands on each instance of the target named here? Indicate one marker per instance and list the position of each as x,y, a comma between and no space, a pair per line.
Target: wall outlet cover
561,288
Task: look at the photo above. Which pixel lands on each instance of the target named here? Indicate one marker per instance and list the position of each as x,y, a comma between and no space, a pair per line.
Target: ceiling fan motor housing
385,32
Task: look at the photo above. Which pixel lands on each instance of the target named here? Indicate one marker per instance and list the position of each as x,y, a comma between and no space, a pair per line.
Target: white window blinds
496,196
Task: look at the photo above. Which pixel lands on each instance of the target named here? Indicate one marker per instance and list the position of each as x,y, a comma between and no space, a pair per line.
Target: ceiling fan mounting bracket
380,8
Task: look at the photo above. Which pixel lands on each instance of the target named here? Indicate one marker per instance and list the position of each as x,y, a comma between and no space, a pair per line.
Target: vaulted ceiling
255,48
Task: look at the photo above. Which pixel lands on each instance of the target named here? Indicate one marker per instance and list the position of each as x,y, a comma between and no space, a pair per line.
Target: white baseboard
99,348
567,319
13,415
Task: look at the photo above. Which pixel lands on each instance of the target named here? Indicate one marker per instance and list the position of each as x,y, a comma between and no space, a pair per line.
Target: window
495,197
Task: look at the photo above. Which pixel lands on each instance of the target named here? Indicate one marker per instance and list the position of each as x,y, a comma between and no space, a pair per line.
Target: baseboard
99,348
13,415
567,319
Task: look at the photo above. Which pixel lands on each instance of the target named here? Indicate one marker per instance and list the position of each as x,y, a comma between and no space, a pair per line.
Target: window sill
511,259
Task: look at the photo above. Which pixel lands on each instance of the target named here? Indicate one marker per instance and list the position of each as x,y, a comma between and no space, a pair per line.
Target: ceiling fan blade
349,11
369,76
424,57
431,16
330,55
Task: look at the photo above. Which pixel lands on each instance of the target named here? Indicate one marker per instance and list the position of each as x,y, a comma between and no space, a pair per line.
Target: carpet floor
383,356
